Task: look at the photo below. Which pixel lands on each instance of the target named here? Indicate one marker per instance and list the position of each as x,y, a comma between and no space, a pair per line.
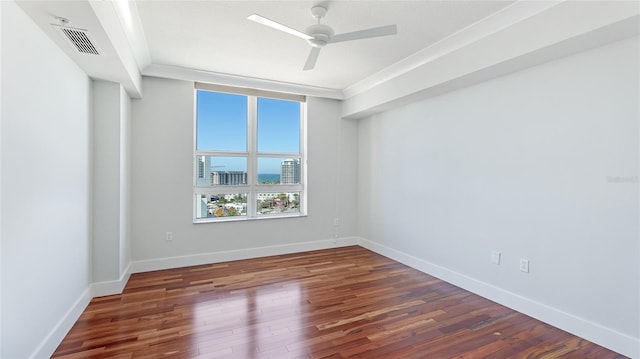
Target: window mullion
303,155
221,153
252,148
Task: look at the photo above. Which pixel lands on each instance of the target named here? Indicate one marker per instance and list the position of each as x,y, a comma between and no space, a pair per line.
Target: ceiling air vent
80,39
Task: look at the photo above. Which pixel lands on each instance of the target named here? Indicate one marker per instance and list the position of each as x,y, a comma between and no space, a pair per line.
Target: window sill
244,218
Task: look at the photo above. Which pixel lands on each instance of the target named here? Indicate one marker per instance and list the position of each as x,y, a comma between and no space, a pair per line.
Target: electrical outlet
524,265
169,236
336,221
495,257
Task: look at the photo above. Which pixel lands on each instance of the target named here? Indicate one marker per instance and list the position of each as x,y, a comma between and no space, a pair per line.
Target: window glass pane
216,170
221,205
278,170
278,126
221,121
278,202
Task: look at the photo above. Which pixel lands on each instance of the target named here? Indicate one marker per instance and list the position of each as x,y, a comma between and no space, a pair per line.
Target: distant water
269,177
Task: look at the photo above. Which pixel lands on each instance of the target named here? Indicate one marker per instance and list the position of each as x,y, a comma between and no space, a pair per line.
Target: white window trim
252,188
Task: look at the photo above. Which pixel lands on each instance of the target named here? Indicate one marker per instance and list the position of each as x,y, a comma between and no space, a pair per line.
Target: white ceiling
441,45
216,36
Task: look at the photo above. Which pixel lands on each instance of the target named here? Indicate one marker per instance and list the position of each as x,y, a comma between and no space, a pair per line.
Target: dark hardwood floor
337,303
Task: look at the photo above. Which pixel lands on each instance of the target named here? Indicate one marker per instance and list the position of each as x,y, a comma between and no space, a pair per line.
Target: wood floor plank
337,303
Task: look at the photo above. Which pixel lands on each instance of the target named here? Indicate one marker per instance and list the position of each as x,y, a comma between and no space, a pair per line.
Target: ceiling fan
319,35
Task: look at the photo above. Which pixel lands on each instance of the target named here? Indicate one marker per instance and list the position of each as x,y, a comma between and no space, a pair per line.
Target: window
249,158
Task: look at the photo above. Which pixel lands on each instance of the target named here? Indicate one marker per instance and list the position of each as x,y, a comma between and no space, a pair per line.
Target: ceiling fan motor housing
318,12
321,34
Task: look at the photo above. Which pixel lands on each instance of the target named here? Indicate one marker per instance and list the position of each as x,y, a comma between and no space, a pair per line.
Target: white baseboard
238,254
606,337
55,336
101,289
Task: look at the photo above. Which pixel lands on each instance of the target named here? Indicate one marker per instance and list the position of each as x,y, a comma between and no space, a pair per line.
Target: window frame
252,188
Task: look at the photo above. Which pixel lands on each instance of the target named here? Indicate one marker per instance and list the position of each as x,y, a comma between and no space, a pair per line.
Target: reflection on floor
335,303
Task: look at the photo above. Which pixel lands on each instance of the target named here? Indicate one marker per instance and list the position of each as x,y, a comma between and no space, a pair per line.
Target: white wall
162,180
125,181
106,180
111,153
1,7
525,164
45,187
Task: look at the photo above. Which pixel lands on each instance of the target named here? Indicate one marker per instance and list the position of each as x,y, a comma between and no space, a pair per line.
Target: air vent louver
80,39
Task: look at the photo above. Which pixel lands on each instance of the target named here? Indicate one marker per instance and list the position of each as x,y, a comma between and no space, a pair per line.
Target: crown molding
500,20
569,27
187,74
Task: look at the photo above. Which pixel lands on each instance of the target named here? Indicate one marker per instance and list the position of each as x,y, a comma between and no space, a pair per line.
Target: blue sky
222,125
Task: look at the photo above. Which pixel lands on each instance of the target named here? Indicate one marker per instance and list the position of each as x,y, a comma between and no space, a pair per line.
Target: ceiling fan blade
278,26
311,60
365,34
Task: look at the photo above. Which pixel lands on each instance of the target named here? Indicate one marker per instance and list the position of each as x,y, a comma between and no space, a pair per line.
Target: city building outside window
249,154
